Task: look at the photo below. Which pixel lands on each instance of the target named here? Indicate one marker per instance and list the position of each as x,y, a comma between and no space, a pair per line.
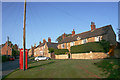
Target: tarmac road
9,66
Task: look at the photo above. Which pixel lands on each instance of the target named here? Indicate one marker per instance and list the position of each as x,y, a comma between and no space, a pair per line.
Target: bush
51,50
60,51
4,58
102,46
15,52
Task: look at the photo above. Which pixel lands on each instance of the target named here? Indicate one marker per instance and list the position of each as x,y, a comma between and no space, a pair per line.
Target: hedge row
58,51
102,46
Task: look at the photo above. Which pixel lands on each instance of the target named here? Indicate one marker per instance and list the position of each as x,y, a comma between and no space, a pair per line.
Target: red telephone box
21,59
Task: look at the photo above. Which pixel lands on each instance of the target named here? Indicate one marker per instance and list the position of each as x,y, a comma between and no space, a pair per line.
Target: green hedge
60,51
51,50
102,46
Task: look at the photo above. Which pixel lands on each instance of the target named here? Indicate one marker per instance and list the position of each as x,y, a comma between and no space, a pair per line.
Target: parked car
41,58
11,58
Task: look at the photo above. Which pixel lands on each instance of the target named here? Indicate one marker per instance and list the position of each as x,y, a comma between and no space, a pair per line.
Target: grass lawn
60,69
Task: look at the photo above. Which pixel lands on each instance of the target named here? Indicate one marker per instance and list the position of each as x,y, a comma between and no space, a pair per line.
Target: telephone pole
24,35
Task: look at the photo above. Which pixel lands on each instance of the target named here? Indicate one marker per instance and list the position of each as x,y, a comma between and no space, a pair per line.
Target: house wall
46,50
30,52
4,50
38,51
112,37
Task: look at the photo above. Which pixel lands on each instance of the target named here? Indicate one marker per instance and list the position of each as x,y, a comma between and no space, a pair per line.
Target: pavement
9,66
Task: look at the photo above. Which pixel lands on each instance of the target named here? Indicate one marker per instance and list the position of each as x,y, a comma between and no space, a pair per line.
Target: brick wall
65,56
96,55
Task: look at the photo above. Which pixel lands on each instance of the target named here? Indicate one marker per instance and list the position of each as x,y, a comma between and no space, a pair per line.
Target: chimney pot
93,26
73,32
49,39
64,35
44,41
40,43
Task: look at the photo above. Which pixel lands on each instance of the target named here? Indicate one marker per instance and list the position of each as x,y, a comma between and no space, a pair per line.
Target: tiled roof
87,34
50,45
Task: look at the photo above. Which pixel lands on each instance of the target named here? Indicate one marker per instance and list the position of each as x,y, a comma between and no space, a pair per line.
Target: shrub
15,52
51,50
91,46
4,58
60,51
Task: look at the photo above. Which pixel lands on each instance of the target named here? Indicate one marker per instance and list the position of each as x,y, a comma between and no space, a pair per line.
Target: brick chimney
49,39
40,43
64,35
93,27
73,32
44,41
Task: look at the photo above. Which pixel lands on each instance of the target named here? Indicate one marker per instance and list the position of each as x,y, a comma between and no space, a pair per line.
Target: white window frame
67,45
62,45
84,40
72,43
98,38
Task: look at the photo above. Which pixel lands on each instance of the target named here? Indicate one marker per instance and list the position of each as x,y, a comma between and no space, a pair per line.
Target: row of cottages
94,35
42,48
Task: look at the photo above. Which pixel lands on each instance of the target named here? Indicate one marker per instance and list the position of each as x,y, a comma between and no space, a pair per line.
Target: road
9,66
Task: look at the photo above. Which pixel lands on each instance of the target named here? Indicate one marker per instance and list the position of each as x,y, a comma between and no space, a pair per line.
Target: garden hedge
60,51
102,46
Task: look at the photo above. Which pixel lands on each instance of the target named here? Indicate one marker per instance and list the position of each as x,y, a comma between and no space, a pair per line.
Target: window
62,45
84,41
79,42
44,46
98,38
72,43
67,45
78,38
35,53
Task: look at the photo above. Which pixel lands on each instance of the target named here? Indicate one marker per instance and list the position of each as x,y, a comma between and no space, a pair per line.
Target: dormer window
78,38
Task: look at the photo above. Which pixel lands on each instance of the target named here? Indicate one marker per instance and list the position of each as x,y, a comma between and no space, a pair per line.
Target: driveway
9,66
